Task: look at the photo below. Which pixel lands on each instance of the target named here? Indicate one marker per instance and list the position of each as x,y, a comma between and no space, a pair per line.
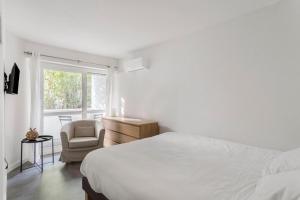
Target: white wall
238,80
2,136
2,149
16,106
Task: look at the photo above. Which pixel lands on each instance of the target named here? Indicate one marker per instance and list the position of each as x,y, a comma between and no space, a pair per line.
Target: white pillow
283,186
286,161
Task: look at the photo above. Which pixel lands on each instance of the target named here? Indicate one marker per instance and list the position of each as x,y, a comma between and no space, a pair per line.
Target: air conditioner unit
134,64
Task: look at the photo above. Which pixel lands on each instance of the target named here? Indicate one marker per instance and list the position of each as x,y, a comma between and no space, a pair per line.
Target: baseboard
13,166
47,151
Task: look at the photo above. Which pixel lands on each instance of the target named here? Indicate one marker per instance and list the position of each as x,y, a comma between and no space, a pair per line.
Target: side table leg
42,157
34,153
21,166
52,151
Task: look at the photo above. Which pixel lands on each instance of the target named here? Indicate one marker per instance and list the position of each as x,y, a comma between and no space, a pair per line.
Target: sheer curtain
109,91
35,83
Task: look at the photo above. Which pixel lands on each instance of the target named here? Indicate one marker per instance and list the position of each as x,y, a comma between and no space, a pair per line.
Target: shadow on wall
164,129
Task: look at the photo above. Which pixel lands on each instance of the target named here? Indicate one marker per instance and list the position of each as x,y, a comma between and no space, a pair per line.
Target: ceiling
115,27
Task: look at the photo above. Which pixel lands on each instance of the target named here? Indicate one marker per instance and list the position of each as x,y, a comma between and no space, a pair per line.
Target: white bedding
176,166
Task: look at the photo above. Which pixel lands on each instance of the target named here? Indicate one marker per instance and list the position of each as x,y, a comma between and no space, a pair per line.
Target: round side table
41,139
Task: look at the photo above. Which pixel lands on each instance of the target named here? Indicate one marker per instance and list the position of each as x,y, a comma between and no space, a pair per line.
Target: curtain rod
68,59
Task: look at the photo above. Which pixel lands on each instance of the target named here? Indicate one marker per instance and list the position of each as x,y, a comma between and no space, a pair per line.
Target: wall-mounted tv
11,86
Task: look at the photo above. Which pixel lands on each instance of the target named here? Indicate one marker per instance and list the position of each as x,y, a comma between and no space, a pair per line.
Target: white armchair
78,138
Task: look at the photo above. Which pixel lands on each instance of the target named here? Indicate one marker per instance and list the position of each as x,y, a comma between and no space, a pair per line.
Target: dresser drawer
126,129
118,137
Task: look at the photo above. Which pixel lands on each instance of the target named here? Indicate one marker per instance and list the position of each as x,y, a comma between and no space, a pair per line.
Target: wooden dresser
121,130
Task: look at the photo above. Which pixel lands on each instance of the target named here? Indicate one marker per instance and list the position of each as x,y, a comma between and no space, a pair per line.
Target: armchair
78,138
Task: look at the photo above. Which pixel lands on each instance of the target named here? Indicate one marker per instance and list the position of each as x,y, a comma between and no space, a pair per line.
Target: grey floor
57,182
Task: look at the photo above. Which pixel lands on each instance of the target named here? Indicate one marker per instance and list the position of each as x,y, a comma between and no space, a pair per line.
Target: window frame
57,66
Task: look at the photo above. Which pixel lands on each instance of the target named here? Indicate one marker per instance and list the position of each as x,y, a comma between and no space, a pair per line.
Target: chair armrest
98,129
64,139
67,132
100,135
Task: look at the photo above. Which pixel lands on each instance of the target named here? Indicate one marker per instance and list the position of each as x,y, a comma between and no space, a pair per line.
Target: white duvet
175,166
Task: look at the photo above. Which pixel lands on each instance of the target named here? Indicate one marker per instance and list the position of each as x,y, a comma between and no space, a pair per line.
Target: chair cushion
84,131
81,142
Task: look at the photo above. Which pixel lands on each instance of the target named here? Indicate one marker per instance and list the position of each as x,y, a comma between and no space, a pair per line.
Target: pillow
84,131
286,161
283,186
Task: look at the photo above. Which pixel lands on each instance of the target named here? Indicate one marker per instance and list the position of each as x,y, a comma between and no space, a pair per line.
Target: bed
174,166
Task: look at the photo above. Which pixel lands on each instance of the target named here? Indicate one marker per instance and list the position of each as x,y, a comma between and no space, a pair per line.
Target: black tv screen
13,83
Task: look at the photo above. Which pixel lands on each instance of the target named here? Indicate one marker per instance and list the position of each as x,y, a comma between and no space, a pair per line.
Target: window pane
62,90
96,92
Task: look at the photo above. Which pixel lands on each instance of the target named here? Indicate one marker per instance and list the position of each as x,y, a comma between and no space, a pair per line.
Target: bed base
90,194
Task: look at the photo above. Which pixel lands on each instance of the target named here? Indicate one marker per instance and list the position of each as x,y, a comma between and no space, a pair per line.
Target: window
62,90
70,93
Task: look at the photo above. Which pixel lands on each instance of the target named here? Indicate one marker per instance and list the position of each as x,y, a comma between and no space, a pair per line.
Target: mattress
176,166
